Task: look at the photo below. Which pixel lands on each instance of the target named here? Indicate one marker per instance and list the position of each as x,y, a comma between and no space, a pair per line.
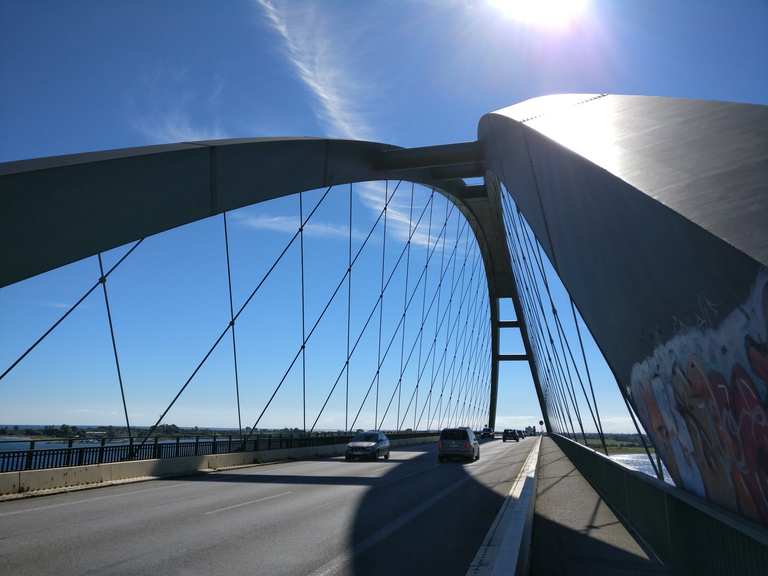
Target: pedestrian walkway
574,530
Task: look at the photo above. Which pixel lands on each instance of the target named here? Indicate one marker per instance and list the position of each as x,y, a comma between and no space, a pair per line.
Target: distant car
486,433
510,435
371,444
455,443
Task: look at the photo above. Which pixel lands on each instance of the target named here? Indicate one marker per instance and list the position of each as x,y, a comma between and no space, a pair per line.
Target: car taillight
466,444
439,444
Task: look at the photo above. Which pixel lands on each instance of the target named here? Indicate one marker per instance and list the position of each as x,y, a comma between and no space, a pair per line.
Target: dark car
371,444
455,443
486,433
510,435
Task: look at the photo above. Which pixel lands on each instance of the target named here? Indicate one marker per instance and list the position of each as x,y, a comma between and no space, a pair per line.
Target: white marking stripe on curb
500,550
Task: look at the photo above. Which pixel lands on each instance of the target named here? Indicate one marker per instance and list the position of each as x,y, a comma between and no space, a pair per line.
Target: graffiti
703,398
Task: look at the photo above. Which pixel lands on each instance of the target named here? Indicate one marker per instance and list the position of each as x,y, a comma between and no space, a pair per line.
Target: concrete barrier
34,480
31,481
216,461
9,483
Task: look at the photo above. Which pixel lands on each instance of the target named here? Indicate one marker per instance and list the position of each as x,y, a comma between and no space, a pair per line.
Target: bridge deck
574,530
407,515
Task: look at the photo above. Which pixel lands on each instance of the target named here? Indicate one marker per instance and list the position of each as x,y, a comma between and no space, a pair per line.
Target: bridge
631,225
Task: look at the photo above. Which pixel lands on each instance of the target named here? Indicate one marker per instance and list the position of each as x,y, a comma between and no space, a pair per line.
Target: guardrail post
69,452
197,441
101,450
130,447
178,438
213,449
28,463
229,448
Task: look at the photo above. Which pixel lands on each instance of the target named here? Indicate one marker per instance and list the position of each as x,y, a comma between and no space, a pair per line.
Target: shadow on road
433,526
558,550
416,517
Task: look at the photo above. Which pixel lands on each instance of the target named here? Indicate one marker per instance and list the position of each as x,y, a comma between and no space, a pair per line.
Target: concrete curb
29,483
507,543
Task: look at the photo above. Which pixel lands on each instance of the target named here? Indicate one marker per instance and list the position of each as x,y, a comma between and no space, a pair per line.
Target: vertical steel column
495,197
495,337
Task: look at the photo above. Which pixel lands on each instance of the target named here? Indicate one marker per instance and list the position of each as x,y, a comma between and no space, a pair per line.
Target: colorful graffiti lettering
703,398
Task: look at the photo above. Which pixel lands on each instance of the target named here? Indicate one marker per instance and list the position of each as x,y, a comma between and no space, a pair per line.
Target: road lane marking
505,540
217,510
345,559
337,564
86,500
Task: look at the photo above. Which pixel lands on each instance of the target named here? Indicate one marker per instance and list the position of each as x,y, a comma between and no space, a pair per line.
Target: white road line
247,503
502,545
340,562
86,500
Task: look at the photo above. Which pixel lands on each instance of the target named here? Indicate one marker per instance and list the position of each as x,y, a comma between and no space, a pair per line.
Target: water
640,463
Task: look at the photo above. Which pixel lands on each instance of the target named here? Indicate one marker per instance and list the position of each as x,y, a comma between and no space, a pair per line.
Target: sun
542,13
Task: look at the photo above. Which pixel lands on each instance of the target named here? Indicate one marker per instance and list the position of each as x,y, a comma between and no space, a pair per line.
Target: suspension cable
240,310
526,299
322,314
303,317
232,322
405,301
389,345
421,328
103,282
349,312
373,310
423,306
70,310
557,365
464,292
561,332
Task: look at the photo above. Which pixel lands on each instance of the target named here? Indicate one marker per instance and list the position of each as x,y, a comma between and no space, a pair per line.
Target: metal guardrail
156,448
688,534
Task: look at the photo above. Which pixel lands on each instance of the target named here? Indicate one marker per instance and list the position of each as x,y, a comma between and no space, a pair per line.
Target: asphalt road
408,515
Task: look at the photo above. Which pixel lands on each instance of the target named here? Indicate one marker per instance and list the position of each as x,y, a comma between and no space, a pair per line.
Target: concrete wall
30,481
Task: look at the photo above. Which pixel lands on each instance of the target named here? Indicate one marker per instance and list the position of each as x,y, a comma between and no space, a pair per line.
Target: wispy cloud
326,72
54,304
176,125
289,225
170,111
319,64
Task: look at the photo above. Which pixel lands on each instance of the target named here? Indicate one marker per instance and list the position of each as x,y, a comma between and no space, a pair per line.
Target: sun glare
542,13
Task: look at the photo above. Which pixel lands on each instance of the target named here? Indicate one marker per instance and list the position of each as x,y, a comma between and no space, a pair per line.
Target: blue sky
81,76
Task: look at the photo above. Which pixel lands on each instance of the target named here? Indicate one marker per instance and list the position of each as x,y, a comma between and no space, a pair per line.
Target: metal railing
688,534
156,448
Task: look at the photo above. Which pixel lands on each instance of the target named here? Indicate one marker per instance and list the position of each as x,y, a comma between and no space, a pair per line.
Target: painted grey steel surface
653,212
58,210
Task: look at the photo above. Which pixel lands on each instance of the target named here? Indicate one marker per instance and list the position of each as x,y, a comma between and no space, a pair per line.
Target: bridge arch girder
58,210
652,212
